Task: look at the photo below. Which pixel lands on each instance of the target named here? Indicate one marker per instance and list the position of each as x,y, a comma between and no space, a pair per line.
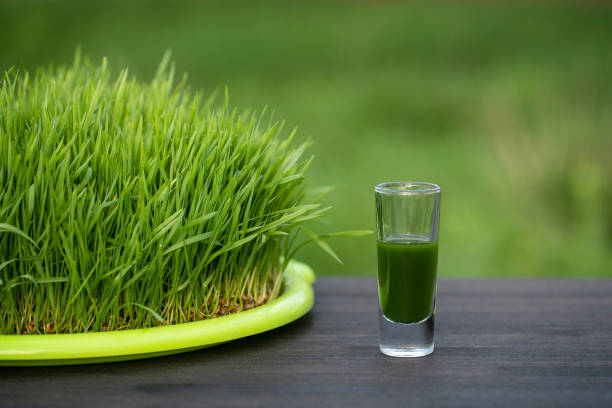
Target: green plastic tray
295,301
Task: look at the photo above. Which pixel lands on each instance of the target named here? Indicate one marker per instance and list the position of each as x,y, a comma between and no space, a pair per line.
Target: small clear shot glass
407,220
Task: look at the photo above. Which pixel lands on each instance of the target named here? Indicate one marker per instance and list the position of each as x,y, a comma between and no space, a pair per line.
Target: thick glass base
406,339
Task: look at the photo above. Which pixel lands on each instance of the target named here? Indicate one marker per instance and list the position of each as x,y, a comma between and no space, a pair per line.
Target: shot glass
407,219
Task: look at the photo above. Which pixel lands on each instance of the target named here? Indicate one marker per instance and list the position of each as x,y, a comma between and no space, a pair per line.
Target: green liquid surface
407,278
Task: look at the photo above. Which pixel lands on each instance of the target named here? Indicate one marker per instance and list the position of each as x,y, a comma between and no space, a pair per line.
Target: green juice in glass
407,277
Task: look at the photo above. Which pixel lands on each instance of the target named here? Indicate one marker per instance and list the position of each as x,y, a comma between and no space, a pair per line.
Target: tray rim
295,301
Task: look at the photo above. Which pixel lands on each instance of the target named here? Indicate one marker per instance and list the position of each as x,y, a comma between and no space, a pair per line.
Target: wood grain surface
499,343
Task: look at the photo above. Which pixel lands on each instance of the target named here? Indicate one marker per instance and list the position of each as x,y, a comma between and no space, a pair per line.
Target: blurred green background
507,106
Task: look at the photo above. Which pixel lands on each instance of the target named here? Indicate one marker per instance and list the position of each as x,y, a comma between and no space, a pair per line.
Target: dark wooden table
499,343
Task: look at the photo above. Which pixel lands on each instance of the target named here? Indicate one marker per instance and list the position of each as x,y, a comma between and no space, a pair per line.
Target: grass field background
507,106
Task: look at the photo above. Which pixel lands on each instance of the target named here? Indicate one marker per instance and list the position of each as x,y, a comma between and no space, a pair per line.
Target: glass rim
407,188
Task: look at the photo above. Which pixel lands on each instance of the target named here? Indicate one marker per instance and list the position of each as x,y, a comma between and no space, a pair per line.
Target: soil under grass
224,308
